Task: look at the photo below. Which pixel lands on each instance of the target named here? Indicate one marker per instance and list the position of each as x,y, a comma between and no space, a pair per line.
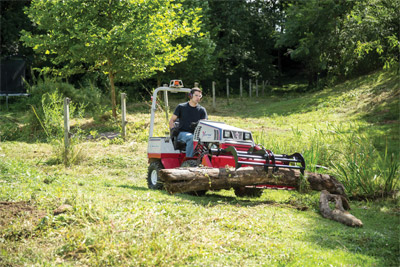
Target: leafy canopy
129,39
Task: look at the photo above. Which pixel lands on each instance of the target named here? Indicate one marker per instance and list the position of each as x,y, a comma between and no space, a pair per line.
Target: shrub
89,96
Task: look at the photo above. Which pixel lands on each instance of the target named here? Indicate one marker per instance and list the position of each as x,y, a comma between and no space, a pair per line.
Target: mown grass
116,221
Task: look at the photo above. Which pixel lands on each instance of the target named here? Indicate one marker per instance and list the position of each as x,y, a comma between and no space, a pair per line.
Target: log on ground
182,180
339,213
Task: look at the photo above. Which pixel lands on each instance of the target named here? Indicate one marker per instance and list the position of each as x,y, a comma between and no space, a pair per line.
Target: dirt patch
12,211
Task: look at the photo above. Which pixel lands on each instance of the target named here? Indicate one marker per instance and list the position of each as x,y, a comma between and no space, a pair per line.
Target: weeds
364,171
51,119
346,151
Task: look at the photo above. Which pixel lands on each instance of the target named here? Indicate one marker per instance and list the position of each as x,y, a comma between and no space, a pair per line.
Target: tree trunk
113,98
182,180
339,213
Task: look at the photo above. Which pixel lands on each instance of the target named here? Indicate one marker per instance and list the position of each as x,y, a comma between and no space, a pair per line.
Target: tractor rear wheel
243,191
193,163
153,180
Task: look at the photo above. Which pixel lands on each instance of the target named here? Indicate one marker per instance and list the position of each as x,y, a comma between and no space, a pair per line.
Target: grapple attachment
266,158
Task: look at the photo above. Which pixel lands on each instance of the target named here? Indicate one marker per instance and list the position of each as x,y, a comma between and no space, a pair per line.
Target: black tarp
12,71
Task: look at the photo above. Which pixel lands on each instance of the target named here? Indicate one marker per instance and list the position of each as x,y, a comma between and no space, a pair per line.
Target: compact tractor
217,145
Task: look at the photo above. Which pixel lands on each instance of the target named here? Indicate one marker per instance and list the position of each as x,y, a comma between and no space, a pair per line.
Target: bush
88,96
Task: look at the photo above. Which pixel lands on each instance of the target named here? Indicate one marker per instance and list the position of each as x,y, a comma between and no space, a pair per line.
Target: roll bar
165,89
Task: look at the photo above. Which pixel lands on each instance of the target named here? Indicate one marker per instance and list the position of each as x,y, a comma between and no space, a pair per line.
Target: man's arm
172,121
205,115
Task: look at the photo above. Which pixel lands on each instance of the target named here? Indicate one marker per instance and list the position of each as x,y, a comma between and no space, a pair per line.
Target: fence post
250,88
263,87
213,94
66,129
241,87
257,87
123,111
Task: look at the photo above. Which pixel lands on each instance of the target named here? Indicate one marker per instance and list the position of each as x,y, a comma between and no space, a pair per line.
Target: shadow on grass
212,199
133,187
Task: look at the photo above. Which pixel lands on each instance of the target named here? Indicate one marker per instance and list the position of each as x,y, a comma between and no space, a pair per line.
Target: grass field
114,220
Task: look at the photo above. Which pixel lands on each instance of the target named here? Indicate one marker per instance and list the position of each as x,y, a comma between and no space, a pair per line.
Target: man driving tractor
188,113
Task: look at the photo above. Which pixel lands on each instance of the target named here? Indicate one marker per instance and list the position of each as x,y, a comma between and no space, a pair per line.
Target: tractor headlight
227,134
247,136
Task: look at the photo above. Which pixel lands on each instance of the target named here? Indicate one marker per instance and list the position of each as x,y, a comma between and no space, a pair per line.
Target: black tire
193,163
153,181
248,192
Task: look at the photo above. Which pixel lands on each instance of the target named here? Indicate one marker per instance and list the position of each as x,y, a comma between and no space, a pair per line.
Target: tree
311,29
379,25
12,20
243,32
127,40
201,62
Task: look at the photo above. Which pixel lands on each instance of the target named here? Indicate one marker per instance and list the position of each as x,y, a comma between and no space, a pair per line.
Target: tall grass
347,153
50,116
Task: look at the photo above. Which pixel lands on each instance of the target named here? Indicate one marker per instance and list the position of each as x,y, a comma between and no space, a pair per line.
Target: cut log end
340,213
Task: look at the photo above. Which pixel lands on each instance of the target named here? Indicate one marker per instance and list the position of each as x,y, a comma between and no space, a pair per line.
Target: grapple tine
233,151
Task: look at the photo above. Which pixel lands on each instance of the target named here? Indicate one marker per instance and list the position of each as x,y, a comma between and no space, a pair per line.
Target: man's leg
188,139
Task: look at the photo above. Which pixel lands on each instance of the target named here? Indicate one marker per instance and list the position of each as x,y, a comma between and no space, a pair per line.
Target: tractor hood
212,131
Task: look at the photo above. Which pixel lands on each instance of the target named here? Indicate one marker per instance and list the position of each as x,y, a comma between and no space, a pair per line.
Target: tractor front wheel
153,180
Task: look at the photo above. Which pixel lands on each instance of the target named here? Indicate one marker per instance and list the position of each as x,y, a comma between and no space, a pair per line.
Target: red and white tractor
216,144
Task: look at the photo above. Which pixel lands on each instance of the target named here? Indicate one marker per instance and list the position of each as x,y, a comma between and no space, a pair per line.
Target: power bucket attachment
266,158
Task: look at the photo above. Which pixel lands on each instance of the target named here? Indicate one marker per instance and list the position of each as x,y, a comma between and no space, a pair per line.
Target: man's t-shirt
188,114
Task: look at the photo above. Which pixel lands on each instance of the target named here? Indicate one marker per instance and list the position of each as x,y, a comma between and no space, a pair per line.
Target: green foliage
88,96
364,171
12,20
50,116
243,32
127,40
342,38
311,33
378,23
130,38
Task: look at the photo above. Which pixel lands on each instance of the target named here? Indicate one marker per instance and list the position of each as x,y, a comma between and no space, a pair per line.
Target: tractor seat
178,145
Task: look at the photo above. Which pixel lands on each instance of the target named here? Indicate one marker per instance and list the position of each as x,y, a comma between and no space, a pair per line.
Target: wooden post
66,129
241,87
263,87
227,90
250,88
123,111
257,87
213,94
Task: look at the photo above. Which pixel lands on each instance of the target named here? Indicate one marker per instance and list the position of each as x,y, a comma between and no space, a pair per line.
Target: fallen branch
339,213
182,180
